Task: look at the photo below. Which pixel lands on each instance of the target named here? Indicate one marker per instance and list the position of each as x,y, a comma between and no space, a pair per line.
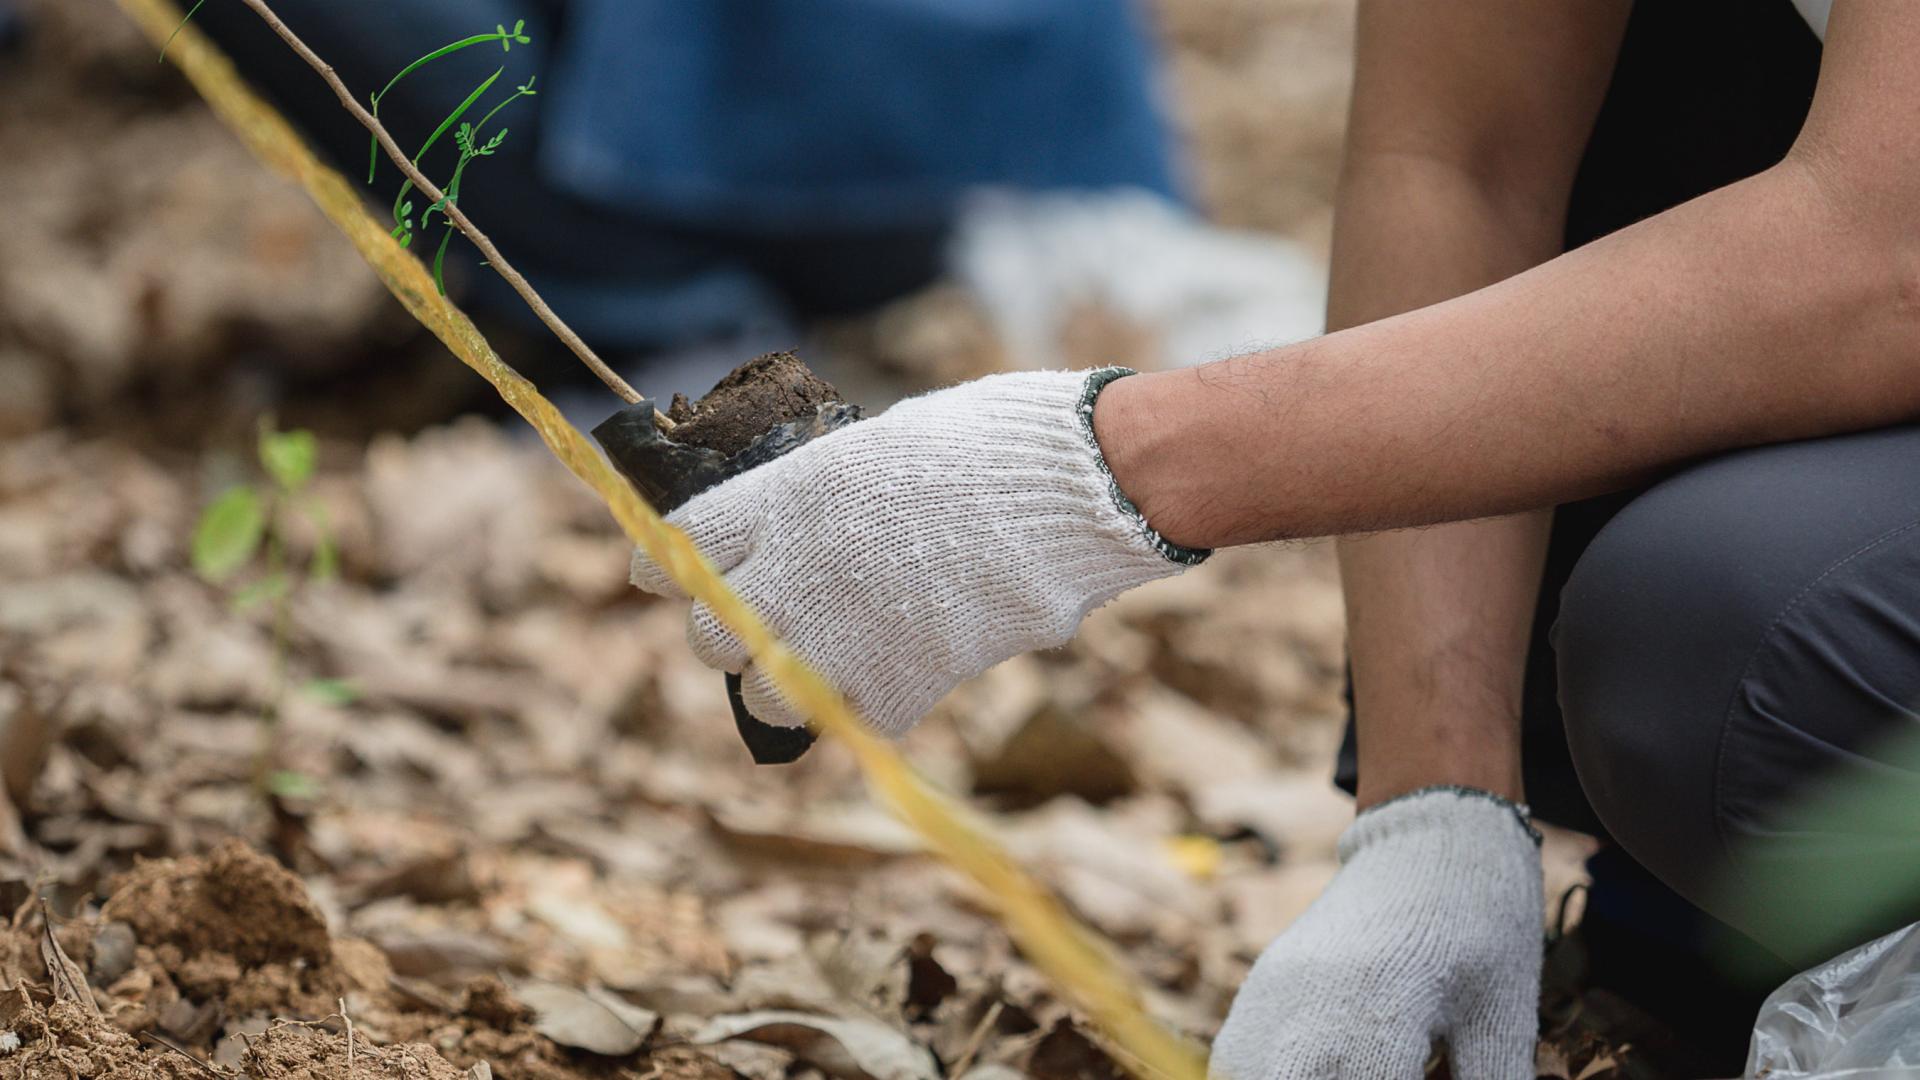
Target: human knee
1736,633
1656,626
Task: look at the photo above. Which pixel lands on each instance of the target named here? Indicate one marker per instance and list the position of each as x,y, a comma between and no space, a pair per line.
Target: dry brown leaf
1264,903
843,834
69,982
752,1060
928,982
1055,752
863,968
1112,865
1181,744
27,736
846,1048
1066,1052
591,1020
580,919
1300,813
1550,1062
442,953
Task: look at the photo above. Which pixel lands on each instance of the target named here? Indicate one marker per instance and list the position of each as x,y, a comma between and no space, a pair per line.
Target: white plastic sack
1204,292
1856,1017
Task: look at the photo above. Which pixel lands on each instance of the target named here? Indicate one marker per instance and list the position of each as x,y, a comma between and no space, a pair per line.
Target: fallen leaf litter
532,785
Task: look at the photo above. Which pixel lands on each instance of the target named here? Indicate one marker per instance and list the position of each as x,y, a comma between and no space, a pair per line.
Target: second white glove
904,554
1431,930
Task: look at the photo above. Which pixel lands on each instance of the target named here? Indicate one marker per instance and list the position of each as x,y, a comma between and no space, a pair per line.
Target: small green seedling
507,39
468,137
246,520
240,543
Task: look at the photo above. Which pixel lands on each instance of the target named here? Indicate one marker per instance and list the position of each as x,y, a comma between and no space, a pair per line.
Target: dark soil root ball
772,389
763,409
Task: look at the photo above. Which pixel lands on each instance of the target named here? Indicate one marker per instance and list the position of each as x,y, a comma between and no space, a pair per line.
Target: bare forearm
1761,312
1438,624
1437,619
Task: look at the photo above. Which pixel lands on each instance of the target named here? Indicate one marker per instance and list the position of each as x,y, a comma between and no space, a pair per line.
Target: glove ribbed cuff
1436,807
1097,380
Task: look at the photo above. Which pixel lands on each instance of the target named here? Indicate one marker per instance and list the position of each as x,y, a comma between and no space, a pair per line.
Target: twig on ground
178,1049
349,1022
472,232
977,1039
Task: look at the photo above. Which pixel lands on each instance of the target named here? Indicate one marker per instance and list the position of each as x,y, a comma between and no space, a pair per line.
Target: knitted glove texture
1431,930
909,552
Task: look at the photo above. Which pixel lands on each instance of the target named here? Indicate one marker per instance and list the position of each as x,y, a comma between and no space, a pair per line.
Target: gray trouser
1738,655
1725,681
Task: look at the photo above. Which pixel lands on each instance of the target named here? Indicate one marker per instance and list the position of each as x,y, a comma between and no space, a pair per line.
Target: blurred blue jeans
698,169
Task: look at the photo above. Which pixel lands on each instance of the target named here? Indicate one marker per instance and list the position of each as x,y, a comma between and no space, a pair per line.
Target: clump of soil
755,396
491,1003
63,1040
306,1052
238,928
236,901
223,965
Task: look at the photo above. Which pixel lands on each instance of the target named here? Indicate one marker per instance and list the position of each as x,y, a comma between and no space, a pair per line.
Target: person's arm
905,553
911,551
1784,306
1467,126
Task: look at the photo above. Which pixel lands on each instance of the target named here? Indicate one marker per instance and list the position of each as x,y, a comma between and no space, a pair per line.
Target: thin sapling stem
470,148
400,221
488,250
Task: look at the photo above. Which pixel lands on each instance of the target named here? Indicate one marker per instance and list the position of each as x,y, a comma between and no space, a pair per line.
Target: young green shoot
247,526
471,148
402,219
507,39
466,135
490,254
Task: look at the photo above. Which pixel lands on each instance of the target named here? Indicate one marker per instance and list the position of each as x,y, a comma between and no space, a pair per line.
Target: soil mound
236,903
222,965
301,1052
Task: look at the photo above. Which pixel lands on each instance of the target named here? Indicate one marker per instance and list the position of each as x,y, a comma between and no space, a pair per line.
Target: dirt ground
512,831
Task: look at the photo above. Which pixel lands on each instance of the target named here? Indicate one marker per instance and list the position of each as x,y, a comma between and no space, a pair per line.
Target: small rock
112,953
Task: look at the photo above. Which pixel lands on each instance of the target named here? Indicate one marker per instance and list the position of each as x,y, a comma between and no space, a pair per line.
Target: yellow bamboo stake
1078,962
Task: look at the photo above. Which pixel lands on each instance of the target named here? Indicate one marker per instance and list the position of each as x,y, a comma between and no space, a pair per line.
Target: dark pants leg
1739,673
1725,683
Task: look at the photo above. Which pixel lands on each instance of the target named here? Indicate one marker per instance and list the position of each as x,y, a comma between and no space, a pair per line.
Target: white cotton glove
1431,930
908,552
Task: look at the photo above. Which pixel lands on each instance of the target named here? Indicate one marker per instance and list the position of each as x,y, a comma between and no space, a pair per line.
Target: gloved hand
1432,929
906,553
